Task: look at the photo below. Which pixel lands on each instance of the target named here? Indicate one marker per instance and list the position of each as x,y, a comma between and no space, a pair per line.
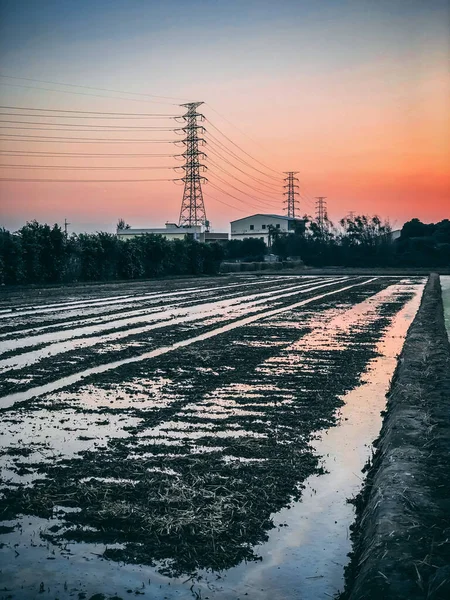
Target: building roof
134,231
174,229
283,217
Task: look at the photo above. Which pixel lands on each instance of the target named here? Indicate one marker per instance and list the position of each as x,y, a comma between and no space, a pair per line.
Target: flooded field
195,439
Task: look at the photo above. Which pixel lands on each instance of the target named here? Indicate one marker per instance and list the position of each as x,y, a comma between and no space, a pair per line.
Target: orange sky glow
362,114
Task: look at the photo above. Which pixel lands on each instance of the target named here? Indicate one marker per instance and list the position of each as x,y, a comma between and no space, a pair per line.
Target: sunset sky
354,95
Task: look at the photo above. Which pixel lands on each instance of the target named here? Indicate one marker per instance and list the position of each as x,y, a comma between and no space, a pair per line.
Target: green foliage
11,259
367,242
122,225
247,250
41,254
41,251
425,245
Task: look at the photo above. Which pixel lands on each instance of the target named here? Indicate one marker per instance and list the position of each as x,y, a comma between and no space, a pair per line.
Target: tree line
40,253
365,241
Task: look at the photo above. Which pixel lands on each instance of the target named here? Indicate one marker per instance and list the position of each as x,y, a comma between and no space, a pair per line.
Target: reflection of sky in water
223,308
210,419
330,332
49,437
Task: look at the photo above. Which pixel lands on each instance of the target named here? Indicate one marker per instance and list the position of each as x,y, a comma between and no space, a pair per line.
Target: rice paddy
191,439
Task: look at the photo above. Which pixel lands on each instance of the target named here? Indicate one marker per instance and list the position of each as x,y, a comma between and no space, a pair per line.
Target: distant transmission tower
292,193
192,207
321,211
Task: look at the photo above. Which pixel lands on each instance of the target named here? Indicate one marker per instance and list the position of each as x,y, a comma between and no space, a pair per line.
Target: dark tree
121,225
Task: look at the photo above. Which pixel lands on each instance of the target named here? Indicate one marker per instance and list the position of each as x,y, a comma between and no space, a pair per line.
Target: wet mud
402,532
175,467
445,286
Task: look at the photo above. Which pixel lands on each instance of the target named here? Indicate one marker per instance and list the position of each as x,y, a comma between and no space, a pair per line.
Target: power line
17,179
50,154
30,138
46,89
306,200
242,150
235,126
147,96
34,87
92,128
132,117
222,147
260,200
78,167
259,191
267,201
225,149
121,155
216,187
86,112
270,186
64,113
88,87
307,193
222,202
191,154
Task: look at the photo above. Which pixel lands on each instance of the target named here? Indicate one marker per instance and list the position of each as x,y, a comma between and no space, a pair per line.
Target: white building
258,226
172,231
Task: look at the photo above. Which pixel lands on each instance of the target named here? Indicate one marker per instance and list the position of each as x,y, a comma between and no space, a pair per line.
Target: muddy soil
445,285
177,464
401,536
128,337
41,293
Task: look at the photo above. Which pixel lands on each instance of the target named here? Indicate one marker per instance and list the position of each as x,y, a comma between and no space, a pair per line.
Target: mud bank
401,547
386,271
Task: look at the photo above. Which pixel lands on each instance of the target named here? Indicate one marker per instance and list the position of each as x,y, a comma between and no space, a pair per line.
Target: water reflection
185,462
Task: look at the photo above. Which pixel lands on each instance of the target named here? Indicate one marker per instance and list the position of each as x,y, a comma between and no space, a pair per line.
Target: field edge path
401,547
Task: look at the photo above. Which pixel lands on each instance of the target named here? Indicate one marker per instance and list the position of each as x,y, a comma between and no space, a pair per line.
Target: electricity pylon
192,206
321,211
292,193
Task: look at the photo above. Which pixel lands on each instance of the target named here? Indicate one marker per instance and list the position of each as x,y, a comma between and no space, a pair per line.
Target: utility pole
292,193
321,211
192,206
66,224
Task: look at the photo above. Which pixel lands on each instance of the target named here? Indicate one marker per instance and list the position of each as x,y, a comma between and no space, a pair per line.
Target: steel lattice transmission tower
321,211
192,207
292,193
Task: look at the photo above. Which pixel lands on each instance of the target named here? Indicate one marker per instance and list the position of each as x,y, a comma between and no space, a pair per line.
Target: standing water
306,559
305,554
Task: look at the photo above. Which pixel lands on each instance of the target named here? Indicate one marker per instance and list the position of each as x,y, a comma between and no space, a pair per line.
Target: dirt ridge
401,547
